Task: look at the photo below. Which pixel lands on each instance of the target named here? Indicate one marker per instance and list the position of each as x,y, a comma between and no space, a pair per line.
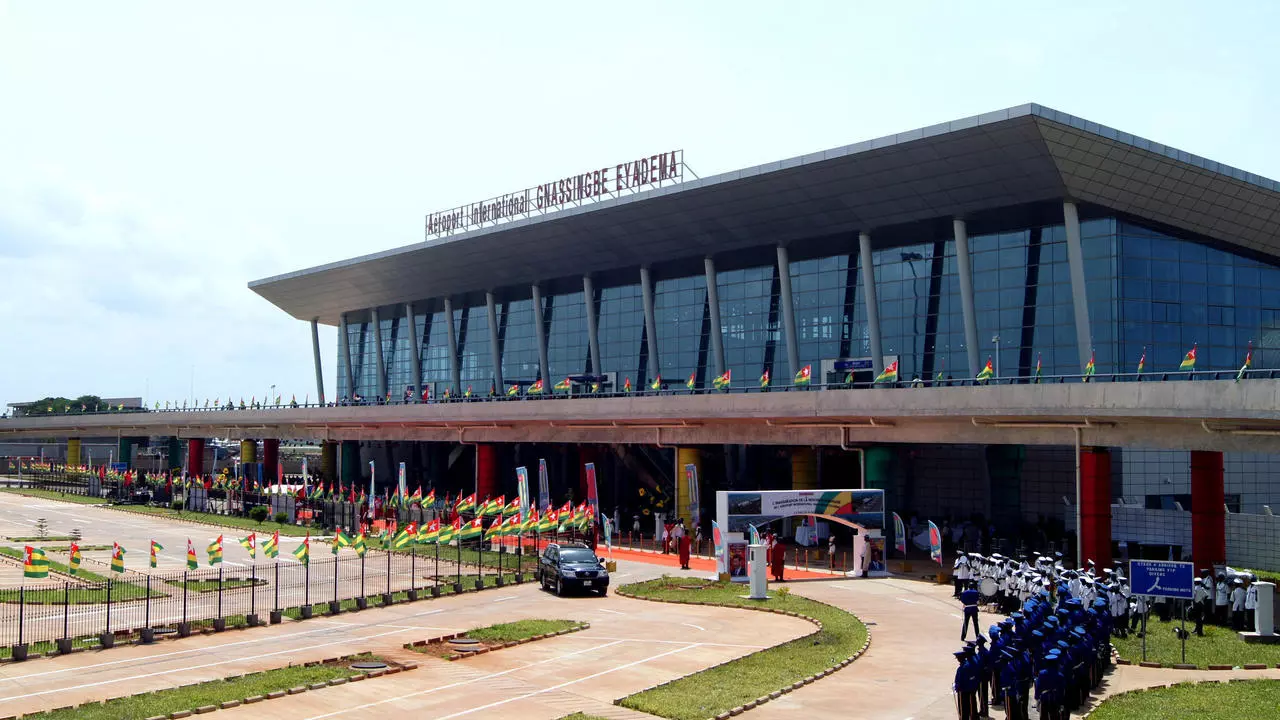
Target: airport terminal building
1070,265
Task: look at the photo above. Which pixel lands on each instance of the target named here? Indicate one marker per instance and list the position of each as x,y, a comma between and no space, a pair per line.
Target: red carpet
700,563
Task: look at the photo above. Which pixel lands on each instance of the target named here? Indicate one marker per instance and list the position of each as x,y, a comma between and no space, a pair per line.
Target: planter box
387,599
107,640
64,646
362,603
306,611
479,583
413,595
252,620
276,616
457,588
435,591
147,636
335,607
184,629
219,624
19,652
498,582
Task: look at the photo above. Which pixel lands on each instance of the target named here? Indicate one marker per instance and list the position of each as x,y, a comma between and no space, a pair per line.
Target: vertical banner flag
718,541
899,535
608,534
592,498
400,478
544,496
522,491
935,543
753,535
695,508
372,494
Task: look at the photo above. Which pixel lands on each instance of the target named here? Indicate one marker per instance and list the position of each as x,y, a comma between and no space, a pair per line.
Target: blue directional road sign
1163,578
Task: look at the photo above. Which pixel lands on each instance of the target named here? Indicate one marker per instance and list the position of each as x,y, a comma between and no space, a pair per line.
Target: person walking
969,599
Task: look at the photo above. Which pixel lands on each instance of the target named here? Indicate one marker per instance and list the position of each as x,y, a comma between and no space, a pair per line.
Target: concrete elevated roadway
1191,415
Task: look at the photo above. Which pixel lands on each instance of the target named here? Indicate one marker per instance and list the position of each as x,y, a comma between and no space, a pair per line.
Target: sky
156,157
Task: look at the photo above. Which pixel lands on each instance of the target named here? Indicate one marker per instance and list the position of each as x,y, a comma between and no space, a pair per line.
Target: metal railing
745,388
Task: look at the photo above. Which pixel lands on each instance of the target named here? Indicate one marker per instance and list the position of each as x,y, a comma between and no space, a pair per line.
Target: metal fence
69,612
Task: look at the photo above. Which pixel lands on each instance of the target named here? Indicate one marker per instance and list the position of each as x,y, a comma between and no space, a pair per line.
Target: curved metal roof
1010,157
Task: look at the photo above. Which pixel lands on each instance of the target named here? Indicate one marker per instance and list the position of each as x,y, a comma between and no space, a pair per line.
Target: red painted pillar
195,456
486,471
1095,505
270,460
1208,514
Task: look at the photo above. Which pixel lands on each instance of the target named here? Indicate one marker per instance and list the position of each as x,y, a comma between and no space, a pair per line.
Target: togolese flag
251,544
215,551
1142,361
449,532
405,537
271,546
466,503
74,565
764,378
34,563
656,384
724,380
473,529
303,551
340,541
1189,362
429,532
117,557
805,375
192,563
360,545
155,550
890,373
1248,362
494,530
563,384
988,371
1092,368
692,382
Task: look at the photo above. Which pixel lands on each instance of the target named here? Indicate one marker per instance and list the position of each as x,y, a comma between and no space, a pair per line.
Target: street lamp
995,339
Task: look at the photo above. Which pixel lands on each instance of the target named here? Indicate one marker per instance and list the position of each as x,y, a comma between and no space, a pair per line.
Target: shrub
282,517
176,504
259,513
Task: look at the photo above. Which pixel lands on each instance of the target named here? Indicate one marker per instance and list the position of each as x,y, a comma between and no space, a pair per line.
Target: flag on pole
340,541
1189,362
1142,361
1039,366
251,544
939,376
656,384
429,532
405,537
473,529
899,535
988,371
1248,362
360,544
117,557
805,375
155,550
890,373
764,378
753,535
536,387
192,563
562,385
513,391
303,551
935,543
35,564
1092,367
724,380
494,530
692,382
626,387
215,551
74,564
271,546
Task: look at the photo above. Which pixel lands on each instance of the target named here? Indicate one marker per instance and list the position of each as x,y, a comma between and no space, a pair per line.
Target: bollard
146,635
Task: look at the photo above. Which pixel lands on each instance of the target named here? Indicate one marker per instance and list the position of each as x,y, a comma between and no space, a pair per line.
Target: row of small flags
35,563
217,403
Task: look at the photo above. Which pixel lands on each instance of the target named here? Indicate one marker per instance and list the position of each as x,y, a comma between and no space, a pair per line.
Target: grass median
229,521
212,693
94,593
1202,701
320,606
1219,646
717,690
520,630
54,495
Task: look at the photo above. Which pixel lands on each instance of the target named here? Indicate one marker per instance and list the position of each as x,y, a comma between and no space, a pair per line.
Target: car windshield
577,555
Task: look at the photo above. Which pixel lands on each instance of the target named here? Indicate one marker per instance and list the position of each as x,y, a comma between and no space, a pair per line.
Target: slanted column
315,352
869,297
455,372
788,310
593,337
1079,294
713,304
964,266
495,352
381,384
344,347
650,323
539,327
414,361
486,471
1208,510
1095,506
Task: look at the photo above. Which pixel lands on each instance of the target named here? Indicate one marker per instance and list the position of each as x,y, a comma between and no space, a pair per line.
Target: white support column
593,338
869,297
315,351
381,384
539,328
1079,293
964,266
495,352
788,310
455,371
344,346
414,358
650,322
713,304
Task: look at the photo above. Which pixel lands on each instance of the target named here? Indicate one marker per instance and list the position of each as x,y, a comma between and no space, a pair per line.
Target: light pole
995,339
273,393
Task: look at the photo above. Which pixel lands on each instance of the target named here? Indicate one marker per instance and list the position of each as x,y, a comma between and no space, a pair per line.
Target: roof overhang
1017,156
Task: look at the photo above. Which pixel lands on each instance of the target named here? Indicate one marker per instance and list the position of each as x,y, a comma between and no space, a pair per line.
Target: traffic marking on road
695,627
615,612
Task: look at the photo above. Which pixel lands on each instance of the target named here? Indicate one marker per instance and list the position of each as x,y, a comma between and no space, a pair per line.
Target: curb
463,656
774,695
1136,691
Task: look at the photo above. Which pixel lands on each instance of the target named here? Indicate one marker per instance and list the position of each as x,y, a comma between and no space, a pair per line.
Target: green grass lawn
470,556
520,630
67,548
1219,646
583,716
1203,701
120,590
215,692
212,585
54,495
38,539
230,521
711,692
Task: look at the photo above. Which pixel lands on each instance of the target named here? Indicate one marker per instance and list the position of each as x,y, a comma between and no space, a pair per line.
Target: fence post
22,604
220,623
146,633
184,628
66,618
386,599
362,602
335,606
276,613
413,572
252,620
107,639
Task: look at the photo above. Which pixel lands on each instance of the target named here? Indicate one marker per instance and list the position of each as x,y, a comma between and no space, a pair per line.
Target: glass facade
1147,291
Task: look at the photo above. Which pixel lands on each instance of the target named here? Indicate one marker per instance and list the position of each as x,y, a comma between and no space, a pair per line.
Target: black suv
566,566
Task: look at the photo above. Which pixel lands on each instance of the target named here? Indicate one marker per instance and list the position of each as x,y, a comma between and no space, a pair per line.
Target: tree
57,405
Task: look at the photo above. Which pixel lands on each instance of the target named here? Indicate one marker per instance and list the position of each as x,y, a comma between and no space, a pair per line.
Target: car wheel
604,591
559,587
